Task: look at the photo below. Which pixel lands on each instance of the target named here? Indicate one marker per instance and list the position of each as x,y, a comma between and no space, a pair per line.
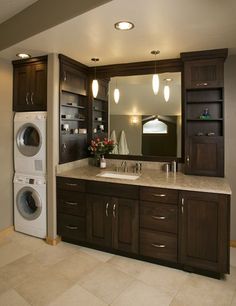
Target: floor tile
12,298
76,266
77,296
4,286
28,242
204,291
169,280
11,252
41,289
140,294
106,282
102,256
233,303
233,257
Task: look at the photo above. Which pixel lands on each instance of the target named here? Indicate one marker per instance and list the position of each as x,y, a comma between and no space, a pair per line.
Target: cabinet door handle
31,98
182,205
159,246
64,147
107,207
27,98
114,210
158,217
160,195
64,76
73,228
72,203
71,184
188,160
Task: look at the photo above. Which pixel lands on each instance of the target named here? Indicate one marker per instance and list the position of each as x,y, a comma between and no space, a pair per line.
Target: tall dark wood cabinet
203,92
30,84
204,231
74,112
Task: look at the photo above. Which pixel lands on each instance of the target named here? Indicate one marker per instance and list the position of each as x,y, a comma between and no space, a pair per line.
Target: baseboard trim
233,243
52,241
7,231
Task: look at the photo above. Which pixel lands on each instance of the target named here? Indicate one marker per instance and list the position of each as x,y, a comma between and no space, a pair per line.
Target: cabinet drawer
70,184
158,245
71,227
160,195
72,203
161,217
113,190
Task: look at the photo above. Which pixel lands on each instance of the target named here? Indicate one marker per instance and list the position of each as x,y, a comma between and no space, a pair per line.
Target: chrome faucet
138,167
124,166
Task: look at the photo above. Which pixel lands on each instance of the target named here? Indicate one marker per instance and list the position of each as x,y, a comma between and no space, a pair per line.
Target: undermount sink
119,175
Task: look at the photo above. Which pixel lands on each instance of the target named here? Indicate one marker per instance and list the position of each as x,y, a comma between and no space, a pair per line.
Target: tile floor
34,273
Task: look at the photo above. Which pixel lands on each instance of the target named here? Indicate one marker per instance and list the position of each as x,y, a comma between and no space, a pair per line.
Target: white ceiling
137,97
9,8
167,25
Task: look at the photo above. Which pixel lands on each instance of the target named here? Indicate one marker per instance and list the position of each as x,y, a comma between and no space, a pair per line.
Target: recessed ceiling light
124,25
23,55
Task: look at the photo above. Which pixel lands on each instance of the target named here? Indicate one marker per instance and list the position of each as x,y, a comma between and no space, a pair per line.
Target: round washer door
28,203
29,140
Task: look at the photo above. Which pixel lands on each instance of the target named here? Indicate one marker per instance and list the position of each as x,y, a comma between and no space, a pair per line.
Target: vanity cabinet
112,221
204,231
30,84
159,223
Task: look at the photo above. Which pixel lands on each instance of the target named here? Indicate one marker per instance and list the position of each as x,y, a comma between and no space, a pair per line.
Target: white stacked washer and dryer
30,188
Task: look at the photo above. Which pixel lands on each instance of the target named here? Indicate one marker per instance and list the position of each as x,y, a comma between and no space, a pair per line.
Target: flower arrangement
100,147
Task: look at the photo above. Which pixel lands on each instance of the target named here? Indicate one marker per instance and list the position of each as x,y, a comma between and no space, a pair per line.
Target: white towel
113,137
123,146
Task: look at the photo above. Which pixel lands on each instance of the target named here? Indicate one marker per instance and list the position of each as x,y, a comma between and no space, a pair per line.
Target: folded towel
113,137
123,146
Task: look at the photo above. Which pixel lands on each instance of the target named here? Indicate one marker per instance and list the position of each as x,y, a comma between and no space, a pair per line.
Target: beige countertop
156,178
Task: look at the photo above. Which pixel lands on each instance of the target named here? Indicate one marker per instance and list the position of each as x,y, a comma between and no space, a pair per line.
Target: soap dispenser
103,163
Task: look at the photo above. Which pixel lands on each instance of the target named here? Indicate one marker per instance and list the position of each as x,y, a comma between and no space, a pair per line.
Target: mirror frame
143,68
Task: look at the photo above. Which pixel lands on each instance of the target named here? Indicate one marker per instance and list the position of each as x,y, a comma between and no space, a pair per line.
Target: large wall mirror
143,124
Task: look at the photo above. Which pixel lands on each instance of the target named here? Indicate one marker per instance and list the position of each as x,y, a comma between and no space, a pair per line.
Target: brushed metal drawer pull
161,195
72,227
114,210
160,246
158,217
107,206
72,203
71,184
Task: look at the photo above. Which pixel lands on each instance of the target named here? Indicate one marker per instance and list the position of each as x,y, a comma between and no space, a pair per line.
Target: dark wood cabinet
203,92
113,221
30,85
204,231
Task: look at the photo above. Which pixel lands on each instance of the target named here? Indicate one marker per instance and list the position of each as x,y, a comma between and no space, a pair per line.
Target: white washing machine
30,206
30,142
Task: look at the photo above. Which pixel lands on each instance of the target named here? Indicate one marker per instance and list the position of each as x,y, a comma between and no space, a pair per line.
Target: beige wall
6,145
230,137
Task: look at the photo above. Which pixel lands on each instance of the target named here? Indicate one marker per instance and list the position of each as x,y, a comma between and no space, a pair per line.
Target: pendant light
116,94
155,78
167,90
95,85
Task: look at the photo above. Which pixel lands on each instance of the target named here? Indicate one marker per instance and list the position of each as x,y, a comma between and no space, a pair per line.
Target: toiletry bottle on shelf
103,163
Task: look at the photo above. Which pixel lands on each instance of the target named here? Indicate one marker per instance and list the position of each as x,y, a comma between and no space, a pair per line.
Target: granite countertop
156,178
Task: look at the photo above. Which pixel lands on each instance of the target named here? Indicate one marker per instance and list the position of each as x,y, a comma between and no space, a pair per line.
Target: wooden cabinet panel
70,184
99,226
160,195
73,80
72,203
205,156
158,245
71,227
160,217
38,95
125,225
21,88
205,231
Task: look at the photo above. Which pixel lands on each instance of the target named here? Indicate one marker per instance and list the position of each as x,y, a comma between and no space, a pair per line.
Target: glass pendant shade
166,93
116,95
95,88
155,83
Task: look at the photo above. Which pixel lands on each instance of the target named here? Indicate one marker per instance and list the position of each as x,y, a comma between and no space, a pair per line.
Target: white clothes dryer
30,206
30,142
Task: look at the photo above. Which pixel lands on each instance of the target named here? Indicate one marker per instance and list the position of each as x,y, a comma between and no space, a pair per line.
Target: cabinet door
125,225
38,94
99,227
21,89
73,80
204,73
204,237
205,156
73,147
